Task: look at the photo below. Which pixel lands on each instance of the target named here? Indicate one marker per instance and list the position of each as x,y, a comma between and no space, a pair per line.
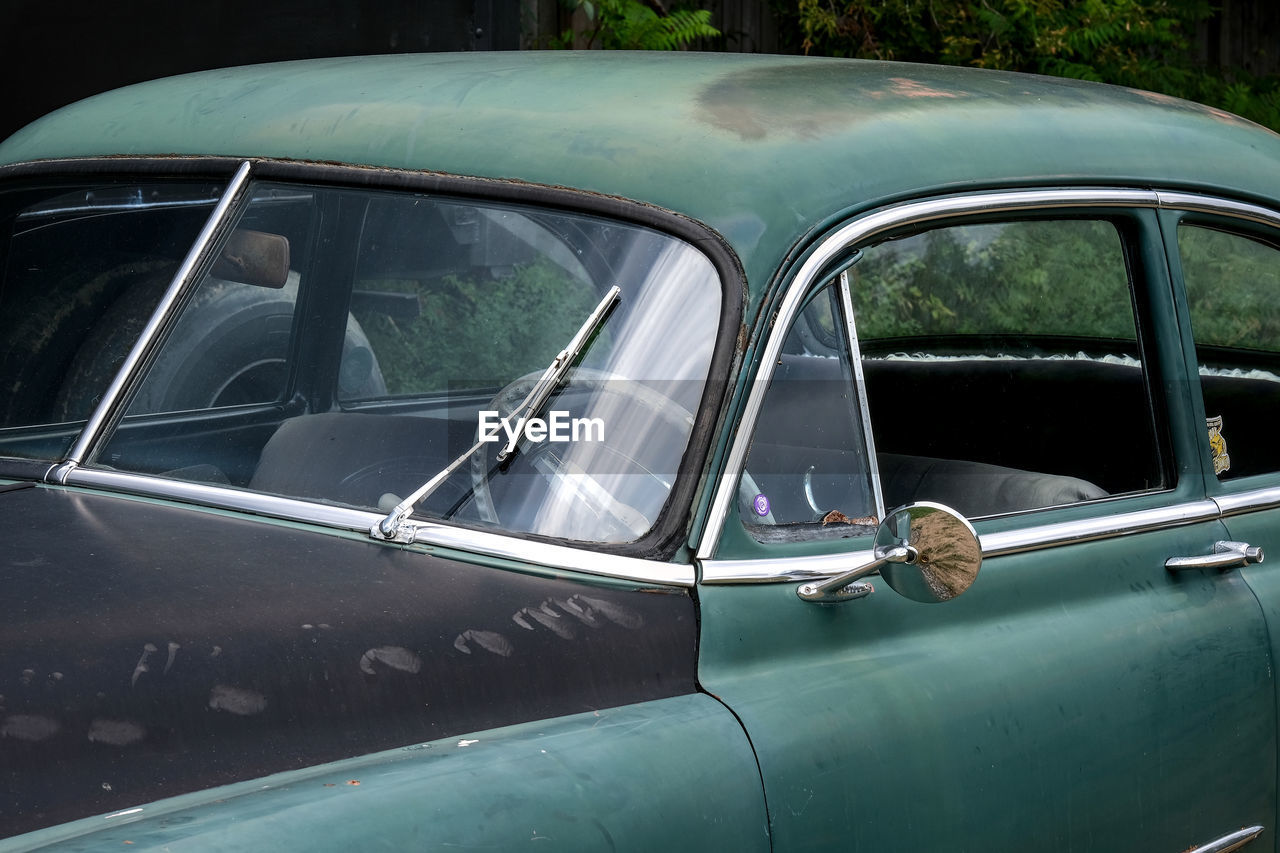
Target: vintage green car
592,450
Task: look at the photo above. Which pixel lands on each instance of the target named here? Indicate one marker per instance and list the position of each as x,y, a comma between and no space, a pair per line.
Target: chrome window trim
233,197
1102,527
1248,501
860,390
1194,203
864,228
779,569
481,543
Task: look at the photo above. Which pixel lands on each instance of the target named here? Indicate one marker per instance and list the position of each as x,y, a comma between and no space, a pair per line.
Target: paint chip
237,700
396,657
116,732
490,641
31,728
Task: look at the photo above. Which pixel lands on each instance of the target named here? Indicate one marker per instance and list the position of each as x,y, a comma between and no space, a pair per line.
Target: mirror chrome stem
843,587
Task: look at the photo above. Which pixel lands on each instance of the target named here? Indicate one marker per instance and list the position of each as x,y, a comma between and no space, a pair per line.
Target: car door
1226,258
1015,356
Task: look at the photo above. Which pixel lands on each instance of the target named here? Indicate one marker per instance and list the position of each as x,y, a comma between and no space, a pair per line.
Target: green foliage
1145,44
634,25
477,332
1061,278
1231,286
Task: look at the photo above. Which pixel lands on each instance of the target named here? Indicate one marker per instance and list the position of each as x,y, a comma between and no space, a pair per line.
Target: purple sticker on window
761,505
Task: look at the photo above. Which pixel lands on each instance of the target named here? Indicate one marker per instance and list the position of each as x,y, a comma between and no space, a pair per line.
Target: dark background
58,51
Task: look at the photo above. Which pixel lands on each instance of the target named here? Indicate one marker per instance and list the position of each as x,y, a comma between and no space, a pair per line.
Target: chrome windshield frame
234,196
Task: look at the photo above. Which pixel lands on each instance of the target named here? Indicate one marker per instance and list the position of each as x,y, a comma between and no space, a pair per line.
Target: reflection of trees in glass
1232,283
477,331
1044,278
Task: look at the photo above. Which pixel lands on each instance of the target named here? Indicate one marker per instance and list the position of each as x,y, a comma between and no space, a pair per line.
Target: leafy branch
636,25
1145,44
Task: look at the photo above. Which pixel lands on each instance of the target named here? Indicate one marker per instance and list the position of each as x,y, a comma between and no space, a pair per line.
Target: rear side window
1232,281
1003,366
998,364
81,270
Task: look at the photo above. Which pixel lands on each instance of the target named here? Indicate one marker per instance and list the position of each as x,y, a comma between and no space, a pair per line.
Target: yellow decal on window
1218,445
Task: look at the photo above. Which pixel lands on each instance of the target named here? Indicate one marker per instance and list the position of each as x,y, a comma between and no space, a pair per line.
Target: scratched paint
490,641
616,613
141,668
237,700
31,728
116,732
395,657
545,616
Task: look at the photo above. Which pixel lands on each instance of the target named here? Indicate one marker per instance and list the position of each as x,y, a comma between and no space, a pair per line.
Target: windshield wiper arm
530,406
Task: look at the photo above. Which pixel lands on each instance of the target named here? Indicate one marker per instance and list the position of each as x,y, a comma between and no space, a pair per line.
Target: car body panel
1060,703
609,772
145,652
1075,698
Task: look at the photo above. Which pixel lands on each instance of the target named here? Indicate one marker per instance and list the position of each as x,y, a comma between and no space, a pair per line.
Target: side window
1232,281
1003,366
231,345
1002,372
807,464
81,271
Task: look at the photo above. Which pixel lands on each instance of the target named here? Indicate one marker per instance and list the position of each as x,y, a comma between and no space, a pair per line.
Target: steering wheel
563,492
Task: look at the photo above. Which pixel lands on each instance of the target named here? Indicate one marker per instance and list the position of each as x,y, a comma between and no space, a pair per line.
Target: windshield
349,345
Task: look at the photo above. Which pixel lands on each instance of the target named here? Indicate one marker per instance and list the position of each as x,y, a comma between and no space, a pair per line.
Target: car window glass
231,343
1231,284
81,271
806,474
1003,366
400,329
433,274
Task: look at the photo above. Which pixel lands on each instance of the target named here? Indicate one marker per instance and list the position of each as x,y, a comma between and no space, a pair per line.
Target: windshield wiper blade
530,406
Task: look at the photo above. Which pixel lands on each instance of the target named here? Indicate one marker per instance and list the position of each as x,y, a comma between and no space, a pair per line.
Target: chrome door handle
1226,555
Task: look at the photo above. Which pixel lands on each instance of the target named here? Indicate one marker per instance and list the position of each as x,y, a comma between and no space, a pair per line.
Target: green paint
1073,699
633,778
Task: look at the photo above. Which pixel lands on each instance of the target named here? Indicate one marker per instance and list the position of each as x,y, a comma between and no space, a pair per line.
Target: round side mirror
943,554
924,551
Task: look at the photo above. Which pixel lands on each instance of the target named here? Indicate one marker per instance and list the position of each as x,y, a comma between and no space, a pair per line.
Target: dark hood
147,650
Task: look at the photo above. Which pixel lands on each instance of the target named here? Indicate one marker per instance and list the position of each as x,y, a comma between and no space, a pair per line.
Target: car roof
765,149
